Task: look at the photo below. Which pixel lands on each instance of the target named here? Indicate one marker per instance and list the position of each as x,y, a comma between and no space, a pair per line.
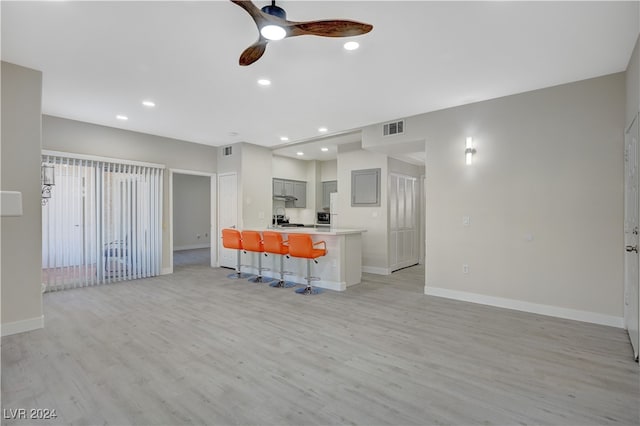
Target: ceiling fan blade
253,52
328,28
257,15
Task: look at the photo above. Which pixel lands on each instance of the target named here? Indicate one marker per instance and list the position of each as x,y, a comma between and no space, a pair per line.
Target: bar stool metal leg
259,278
281,283
309,289
239,274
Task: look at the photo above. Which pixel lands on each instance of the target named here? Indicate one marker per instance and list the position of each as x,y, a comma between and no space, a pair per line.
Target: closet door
403,223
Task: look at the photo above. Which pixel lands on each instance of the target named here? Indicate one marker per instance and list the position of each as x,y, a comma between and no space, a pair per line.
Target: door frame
213,261
627,293
238,211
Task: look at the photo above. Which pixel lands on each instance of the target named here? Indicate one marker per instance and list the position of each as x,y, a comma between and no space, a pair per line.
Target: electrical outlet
198,236
466,220
465,269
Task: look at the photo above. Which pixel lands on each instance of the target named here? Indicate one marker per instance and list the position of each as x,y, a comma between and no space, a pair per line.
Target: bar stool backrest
301,245
251,241
273,243
231,239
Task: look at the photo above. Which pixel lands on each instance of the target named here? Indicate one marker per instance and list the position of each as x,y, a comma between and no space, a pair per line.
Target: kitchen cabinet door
288,188
300,192
278,187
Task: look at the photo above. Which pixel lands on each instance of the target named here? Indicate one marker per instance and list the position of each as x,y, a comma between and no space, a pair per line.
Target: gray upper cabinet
278,187
365,188
300,192
327,188
291,188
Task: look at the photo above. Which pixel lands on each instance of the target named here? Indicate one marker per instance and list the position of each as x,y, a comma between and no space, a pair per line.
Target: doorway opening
192,220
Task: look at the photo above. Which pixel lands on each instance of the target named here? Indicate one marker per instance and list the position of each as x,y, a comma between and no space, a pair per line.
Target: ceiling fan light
351,45
273,32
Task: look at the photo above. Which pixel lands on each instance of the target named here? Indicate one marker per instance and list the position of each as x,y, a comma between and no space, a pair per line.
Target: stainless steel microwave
323,218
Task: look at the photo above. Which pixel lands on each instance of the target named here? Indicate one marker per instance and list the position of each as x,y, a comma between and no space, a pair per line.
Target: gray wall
544,195
633,85
21,251
404,168
59,134
191,211
375,242
256,186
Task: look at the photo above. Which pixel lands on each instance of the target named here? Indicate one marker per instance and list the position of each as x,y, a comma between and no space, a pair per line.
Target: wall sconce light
469,151
48,180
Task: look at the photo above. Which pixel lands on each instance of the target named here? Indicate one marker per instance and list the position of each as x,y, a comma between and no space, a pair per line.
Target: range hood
285,197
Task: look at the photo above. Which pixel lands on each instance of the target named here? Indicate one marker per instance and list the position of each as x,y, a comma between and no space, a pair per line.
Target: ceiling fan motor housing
274,10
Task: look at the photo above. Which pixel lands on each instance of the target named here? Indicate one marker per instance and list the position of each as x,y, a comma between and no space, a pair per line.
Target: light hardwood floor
191,257
198,348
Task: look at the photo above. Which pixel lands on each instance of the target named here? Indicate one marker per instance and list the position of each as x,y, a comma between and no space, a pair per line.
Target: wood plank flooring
197,348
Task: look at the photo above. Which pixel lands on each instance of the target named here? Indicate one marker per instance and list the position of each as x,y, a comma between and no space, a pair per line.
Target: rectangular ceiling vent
395,128
227,151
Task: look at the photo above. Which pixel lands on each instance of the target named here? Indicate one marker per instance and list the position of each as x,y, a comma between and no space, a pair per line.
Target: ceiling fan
272,23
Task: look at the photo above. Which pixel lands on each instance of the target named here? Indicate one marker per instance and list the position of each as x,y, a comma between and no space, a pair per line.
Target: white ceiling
100,59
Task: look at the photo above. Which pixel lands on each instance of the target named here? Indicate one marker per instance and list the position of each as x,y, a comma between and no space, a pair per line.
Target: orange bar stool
232,239
252,241
274,244
301,245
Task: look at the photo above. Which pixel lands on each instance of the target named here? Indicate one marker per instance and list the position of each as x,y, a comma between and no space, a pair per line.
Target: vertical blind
103,223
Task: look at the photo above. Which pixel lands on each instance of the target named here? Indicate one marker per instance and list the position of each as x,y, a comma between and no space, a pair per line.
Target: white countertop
315,231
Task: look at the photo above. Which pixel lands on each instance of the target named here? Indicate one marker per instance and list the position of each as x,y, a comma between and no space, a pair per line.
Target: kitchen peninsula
339,269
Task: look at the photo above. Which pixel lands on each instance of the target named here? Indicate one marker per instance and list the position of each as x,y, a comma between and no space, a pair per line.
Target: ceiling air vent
227,151
395,128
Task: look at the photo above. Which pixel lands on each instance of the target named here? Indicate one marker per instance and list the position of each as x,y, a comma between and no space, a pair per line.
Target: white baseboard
535,308
376,270
22,326
191,246
166,271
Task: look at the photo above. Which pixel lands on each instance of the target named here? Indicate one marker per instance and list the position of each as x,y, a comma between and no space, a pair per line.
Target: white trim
191,172
22,326
213,230
376,270
520,305
166,271
191,246
103,159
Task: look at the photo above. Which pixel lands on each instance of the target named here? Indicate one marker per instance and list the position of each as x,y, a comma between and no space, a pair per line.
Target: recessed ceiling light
323,129
264,82
351,45
324,149
149,104
284,138
122,117
299,153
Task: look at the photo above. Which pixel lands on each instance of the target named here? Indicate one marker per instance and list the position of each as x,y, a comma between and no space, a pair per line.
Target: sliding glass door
102,223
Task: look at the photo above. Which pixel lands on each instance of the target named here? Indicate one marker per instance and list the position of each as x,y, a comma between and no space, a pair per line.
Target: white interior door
403,221
631,229
227,215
